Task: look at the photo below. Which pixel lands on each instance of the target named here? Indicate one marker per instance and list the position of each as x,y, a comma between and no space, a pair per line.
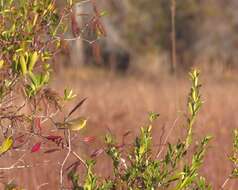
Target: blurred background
138,61
138,34
129,71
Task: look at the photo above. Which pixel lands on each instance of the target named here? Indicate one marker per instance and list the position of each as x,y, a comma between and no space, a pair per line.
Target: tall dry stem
173,36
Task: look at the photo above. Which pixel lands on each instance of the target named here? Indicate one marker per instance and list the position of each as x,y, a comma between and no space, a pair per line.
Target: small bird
74,124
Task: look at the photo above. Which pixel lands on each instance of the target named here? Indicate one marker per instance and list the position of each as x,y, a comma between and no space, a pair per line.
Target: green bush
176,167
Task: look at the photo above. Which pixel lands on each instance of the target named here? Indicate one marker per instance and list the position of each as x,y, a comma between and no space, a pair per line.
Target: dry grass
121,103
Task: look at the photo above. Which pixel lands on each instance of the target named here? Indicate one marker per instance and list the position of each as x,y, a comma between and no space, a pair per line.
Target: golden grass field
122,102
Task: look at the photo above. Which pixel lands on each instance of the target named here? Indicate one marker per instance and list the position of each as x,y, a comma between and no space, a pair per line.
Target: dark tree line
205,30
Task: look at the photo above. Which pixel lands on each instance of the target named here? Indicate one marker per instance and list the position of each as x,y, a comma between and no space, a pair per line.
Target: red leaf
120,146
74,165
56,139
126,134
53,138
52,150
97,152
37,123
89,139
20,138
97,52
36,147
74,25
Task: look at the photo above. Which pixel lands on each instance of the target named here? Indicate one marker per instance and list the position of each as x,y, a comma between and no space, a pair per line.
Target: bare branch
66,158
166,138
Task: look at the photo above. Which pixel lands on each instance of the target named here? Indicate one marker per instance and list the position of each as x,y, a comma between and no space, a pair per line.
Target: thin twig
50,117
225,182
23,166
14,165
173,35
77,38
82,2
65,159
166,139
77,156
42,185
161,136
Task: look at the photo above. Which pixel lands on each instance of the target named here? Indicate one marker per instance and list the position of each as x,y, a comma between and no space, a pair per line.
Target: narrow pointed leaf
52,150
76,107
89,139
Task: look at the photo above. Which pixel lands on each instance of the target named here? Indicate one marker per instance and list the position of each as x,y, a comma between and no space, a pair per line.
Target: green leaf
33,60
23,65
153,116
104,13
69,95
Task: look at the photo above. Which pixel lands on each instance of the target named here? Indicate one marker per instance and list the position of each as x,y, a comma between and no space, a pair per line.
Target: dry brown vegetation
121,103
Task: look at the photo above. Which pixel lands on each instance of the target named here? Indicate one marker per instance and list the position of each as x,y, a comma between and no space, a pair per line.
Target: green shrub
176,168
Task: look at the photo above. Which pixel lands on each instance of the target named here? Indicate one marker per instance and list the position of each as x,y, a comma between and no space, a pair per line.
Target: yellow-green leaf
35,19
6,145
103,13
23,65
1,63
33,60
